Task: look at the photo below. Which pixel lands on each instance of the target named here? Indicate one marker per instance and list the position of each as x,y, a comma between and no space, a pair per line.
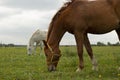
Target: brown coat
81,17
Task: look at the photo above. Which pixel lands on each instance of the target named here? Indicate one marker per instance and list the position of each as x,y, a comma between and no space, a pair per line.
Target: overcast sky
20,18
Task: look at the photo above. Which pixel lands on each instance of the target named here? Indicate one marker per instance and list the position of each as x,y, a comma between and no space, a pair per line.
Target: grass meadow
15,64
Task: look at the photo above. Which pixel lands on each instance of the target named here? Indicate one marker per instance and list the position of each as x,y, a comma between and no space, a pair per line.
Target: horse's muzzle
51,68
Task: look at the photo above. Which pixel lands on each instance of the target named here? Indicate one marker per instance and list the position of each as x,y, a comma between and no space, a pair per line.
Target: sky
20,18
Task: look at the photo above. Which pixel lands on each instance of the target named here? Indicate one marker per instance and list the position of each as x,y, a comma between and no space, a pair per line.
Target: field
15,64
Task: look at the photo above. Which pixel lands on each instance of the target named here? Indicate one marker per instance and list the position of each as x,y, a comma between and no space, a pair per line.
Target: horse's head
52,57
30,49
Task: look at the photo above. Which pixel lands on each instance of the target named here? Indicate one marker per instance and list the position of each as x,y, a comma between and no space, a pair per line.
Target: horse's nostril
51,68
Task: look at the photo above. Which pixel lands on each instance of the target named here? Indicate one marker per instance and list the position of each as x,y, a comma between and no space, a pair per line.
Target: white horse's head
30,49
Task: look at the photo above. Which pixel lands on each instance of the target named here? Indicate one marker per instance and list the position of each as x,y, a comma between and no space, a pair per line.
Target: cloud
27,18
108,37
68,39
20,18
25,23
32,4
18,28
5,11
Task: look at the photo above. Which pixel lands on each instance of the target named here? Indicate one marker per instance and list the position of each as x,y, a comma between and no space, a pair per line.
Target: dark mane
60,10
57,15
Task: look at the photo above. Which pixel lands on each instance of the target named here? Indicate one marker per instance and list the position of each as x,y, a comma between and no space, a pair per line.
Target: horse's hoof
78,70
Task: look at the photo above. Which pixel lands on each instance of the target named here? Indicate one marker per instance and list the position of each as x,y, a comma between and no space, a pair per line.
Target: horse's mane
56,16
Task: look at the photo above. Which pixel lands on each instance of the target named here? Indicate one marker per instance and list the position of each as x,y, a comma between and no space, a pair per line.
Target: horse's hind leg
90,52
118,33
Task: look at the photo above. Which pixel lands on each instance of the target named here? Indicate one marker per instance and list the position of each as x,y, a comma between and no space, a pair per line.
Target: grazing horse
80,17
37,38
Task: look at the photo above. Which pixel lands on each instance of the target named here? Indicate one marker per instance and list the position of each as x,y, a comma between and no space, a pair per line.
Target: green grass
15,64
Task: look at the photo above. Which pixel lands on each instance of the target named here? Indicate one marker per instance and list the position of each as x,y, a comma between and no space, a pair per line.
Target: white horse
35,40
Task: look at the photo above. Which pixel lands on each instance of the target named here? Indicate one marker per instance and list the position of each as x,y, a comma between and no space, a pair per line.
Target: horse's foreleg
79,41
90,52
35,49
118,33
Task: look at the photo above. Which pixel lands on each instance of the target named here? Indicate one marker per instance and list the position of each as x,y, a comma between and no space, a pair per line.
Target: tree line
98,44
11,45
108,44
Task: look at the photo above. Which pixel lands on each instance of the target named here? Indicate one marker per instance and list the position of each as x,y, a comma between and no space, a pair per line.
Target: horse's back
93,16
39,35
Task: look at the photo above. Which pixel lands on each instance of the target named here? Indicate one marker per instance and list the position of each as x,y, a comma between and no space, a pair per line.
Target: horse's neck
31,42
55,36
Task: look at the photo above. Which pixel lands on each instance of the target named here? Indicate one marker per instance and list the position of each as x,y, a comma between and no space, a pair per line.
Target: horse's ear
45,43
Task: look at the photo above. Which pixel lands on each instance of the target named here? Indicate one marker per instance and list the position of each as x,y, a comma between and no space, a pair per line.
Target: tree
11,45
100,44
109,44
117,44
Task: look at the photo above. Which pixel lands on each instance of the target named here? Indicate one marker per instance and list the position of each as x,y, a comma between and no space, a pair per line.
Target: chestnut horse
80,17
